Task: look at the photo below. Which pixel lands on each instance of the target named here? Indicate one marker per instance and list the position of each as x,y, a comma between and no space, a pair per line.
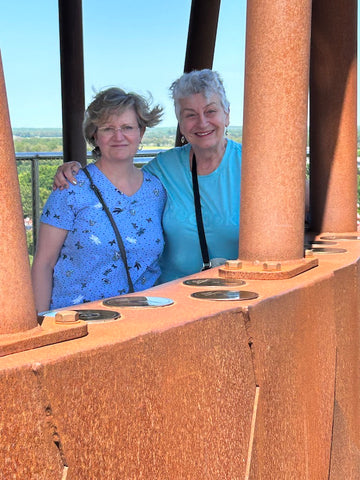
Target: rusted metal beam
201,34
333,122
18,307
19,328
201,39
275,134
72,79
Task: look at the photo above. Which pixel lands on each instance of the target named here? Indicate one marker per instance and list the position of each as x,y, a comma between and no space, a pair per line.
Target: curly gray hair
207,82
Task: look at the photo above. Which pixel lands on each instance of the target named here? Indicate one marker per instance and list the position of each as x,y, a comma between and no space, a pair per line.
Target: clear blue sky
137,45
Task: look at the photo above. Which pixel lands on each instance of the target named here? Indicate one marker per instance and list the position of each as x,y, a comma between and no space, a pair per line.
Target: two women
85,253
202,110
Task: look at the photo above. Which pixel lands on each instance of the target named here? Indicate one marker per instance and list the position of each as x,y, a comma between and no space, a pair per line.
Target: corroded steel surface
19,329
346,438
201,35
51,331
18,312
333,116
72,79
198,389
274,130
266,388
266,270
295,358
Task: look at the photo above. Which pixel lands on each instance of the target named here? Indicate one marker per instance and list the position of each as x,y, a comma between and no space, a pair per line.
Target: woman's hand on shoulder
65,175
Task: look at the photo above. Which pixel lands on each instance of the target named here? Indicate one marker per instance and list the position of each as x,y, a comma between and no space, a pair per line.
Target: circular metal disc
213,282
345,237
225,295
329,250
319,242
138,302
97,315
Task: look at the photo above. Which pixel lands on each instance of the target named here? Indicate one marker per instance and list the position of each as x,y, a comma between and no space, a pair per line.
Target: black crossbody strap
199,219
116,230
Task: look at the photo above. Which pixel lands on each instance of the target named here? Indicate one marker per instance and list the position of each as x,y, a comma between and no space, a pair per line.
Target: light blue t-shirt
220,203
90,266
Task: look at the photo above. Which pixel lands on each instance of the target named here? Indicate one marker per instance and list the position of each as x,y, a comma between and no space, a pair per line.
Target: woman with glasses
102,236
201,178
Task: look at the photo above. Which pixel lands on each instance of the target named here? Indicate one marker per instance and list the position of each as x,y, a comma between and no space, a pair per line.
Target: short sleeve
59,210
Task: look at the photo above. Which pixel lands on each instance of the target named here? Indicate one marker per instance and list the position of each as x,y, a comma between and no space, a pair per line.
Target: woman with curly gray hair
102,236
202,179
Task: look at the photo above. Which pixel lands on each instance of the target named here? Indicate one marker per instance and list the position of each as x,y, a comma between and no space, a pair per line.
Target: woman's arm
65,174
50,241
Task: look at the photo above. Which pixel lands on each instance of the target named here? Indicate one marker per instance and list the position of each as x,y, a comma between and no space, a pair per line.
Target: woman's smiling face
202,120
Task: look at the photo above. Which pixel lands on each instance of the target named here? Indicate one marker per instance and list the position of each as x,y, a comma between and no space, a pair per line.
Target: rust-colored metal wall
345,458
296,381
198,389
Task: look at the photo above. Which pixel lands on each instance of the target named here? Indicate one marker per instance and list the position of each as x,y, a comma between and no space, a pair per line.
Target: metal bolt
233,264
67,317
272,266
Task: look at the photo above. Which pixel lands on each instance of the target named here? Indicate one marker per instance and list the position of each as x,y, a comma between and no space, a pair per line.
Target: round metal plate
315,244
138,302
213,282
345,237
319,242
225,295
329,250
92,316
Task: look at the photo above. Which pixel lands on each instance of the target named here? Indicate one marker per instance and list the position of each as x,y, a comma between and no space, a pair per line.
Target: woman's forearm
50,241
42,280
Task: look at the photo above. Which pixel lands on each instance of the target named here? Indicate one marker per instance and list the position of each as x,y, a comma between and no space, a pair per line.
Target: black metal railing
29,164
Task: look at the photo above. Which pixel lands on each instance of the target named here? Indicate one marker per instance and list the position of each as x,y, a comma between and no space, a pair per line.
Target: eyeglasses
128,130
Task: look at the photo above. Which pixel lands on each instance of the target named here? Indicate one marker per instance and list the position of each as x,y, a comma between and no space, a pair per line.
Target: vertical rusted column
333,123
274,134
201,39
72,79
17,302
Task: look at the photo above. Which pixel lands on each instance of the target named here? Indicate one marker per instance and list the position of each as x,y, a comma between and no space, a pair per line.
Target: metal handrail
59,155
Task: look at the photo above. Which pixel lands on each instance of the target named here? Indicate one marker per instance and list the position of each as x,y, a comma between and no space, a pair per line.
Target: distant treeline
37,132
50,139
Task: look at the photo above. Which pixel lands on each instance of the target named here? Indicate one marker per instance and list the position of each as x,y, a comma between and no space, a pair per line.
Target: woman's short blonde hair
115,101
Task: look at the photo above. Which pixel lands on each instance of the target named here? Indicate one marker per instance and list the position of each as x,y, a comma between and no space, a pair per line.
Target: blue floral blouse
90,266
